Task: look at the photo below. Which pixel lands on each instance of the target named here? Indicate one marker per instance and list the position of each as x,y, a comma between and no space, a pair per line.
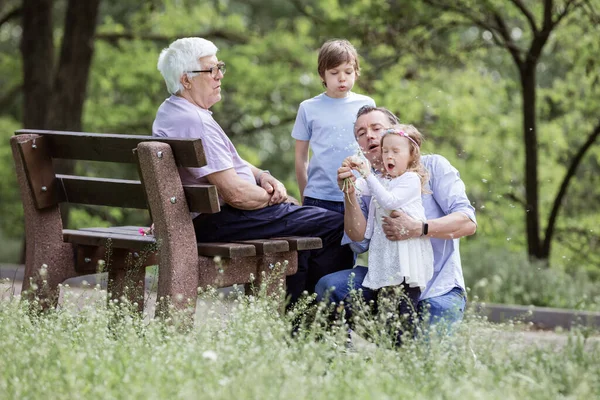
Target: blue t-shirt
328,124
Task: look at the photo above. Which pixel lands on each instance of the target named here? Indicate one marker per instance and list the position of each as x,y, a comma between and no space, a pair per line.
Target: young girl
325,123
408,263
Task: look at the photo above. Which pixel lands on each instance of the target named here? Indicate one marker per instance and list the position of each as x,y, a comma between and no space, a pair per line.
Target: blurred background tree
458,72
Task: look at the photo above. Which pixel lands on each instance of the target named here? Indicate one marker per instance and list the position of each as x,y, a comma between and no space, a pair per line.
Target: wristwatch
425,229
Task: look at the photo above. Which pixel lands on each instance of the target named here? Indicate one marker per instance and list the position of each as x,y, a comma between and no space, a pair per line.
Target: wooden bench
54,254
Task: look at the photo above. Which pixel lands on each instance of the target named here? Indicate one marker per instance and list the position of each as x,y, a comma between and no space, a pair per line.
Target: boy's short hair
336,52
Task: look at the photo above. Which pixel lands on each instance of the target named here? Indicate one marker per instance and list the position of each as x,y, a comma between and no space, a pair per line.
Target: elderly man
449,213
254,202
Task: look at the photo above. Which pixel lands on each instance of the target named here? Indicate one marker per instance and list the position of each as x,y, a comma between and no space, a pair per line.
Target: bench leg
126,281
272,269
177,289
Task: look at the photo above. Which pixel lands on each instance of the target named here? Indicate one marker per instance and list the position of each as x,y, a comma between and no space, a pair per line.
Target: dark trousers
337,206
405,305
284,220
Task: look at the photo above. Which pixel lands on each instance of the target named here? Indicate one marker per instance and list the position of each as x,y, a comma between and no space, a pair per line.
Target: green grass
90,350
10,251
500,276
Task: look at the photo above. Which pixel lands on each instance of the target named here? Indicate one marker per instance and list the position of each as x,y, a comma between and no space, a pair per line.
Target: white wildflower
210,355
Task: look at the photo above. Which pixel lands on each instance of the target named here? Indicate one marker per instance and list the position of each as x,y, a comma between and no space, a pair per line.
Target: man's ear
185,81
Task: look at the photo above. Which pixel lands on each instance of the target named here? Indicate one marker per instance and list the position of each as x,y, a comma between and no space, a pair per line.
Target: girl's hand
360,164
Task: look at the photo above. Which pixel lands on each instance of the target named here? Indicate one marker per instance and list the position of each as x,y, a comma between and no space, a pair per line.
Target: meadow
242,348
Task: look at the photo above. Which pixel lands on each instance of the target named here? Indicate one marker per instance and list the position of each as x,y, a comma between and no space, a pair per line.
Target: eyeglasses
214,71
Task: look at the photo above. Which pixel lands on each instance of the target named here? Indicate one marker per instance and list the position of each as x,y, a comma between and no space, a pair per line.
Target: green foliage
86,349
508,277
436,69
11,210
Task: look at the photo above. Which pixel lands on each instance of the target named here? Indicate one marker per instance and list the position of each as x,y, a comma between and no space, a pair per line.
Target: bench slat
127,193
130,238
101,191
226,250
100,239
298,243
115,148
266,246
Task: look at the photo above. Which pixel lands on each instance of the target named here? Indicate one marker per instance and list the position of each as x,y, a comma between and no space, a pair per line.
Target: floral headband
401,133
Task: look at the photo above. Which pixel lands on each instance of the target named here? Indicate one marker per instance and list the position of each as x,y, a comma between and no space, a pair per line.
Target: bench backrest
39,147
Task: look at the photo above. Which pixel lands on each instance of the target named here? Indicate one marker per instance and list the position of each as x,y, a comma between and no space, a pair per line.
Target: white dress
393,262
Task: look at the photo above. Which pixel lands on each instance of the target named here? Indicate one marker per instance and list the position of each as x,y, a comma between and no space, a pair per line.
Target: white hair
182,55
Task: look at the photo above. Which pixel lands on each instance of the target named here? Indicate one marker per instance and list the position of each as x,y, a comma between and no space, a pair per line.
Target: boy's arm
302,165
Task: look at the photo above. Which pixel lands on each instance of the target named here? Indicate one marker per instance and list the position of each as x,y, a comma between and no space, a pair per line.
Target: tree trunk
54,97
70,84
545,251
72,73
37,51
531,160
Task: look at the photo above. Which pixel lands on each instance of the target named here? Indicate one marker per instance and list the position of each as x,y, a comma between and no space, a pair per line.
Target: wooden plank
40,172
202,198
101,239
226,250
119,230
298,243
101,191
114,147
266,246
128,229
127,193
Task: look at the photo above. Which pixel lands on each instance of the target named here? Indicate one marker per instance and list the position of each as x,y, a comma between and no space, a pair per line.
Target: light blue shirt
328,124
448,196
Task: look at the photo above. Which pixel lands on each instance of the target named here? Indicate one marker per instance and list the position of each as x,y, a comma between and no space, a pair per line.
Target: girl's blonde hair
415,139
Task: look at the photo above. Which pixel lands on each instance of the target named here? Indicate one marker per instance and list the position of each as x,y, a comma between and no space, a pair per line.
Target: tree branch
516,199
569,6
547,20
527,14
565,184
14,13
216,34
593,15
509,44
541,37
300,7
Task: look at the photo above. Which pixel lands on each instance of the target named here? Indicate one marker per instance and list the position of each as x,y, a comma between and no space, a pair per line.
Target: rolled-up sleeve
362,246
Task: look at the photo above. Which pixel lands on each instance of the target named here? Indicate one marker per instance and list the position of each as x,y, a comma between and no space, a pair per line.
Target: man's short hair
182,55
369,109
334,53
